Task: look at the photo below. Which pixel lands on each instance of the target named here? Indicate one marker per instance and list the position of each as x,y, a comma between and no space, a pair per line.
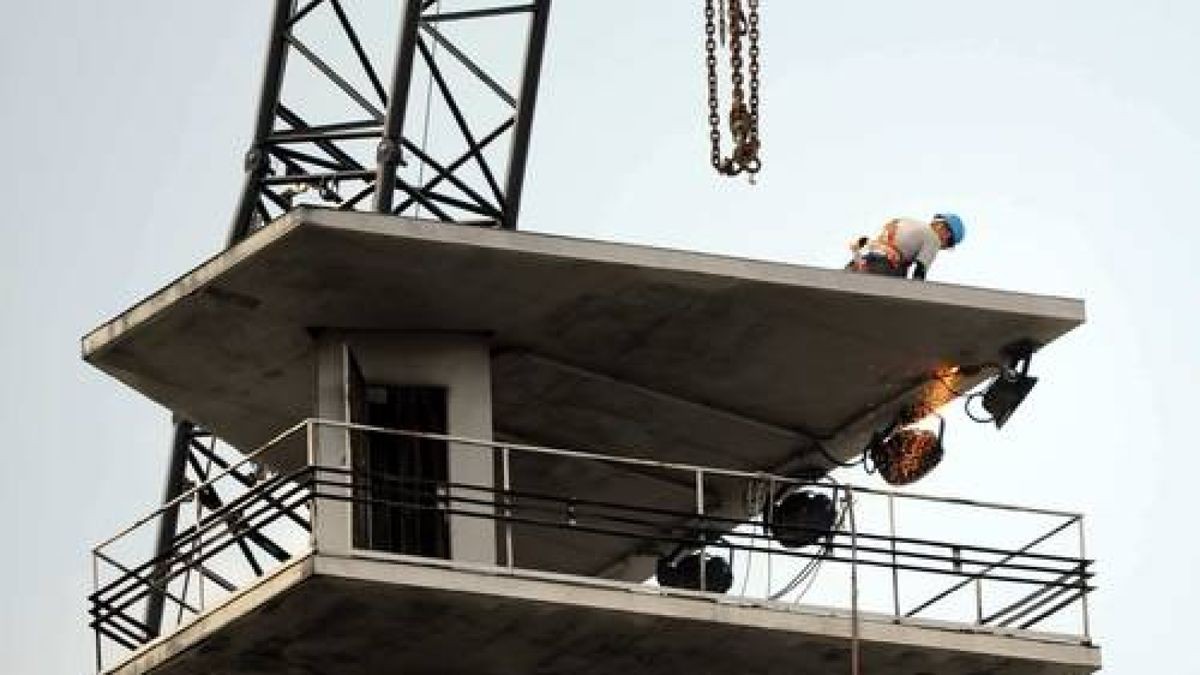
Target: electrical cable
971,415
428,105
813,566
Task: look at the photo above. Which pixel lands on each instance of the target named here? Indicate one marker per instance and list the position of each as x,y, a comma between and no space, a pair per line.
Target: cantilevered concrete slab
690,357
360,616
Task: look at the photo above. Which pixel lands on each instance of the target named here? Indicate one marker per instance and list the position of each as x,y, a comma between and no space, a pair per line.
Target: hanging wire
425,123
812,567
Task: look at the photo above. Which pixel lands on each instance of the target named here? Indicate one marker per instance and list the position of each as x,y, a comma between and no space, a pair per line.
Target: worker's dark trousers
876,264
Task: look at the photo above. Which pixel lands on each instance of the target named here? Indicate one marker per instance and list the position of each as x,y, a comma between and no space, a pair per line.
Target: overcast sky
1066,132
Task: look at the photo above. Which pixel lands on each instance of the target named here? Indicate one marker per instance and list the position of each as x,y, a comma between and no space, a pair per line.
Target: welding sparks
940,390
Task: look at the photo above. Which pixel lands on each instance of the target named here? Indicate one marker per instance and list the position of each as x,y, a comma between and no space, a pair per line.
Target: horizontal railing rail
995,574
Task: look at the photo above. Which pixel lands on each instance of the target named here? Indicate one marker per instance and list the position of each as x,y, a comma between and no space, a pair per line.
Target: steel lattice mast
371,152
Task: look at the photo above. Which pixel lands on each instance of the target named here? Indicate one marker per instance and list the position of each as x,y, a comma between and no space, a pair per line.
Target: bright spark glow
939,391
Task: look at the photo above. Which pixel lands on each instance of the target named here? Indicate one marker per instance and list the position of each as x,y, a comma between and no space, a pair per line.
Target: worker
906,244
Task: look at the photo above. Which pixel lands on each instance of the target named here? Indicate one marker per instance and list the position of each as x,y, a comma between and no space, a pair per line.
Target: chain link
753,140
714,117
743,119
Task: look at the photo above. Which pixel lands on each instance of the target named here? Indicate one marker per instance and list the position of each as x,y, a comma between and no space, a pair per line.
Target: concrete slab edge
219,616
640,599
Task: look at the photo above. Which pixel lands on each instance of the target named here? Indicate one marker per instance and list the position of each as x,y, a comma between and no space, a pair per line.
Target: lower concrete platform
355,616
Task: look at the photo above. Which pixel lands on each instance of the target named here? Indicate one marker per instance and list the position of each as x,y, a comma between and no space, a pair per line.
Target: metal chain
714,117
756,164
743,119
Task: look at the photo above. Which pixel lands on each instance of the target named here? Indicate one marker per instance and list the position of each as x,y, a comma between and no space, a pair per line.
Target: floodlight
675,571
1005,394
802,518
1012,385
908,455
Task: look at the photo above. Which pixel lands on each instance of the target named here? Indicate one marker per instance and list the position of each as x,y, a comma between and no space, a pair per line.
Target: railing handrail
189,494
690,468
632,460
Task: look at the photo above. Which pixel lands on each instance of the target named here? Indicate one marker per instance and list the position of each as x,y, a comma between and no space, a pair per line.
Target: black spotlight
1010,387
802,518
675,571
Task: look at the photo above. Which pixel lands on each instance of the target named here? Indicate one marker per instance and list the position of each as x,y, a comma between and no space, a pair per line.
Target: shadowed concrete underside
617,348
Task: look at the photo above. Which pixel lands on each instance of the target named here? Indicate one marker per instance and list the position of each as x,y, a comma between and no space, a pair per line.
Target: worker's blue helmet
958,231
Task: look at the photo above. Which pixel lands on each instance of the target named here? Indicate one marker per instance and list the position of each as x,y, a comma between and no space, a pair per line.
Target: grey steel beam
169,521
526,103
389,153
257,163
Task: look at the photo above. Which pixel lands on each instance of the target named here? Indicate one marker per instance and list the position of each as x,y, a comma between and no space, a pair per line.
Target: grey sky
1067,133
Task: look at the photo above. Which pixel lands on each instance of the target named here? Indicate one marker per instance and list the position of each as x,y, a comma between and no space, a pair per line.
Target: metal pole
770,540
257,161
96,630
703,533
388,154
526,103
1083,598
168,521
855,665
891,502
310,437
508,533
979,600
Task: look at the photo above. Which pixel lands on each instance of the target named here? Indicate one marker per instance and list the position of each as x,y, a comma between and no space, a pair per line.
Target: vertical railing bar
770,539
979,600
1087,629
703,533
891,502
508,533
854,627
195,545
96,631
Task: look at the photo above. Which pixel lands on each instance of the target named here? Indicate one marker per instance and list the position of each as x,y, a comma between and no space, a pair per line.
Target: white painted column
330,446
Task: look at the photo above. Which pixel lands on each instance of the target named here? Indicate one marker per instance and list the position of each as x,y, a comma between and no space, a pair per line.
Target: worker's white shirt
915,240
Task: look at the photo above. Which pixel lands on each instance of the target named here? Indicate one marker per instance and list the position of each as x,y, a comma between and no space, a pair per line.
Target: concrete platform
359,616
618,348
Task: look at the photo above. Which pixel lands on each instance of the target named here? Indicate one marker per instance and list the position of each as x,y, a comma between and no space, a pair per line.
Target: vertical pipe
770,540
1087,628
526,103
855,665
979,600
891,502
507,487
96,630
195,551
388,154
257,162
703,528
168,520
310,441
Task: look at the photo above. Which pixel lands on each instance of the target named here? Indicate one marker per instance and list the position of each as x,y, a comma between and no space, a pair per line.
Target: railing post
703,528
979,600
854,628
96,630
1083,598
891,503
770,540
506,477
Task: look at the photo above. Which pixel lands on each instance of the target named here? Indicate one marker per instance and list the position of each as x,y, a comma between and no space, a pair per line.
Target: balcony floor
353,616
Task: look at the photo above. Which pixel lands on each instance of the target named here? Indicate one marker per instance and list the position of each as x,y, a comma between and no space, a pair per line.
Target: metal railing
900,557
